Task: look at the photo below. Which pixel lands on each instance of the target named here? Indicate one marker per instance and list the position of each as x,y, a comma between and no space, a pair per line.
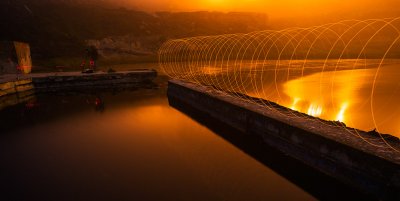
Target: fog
282,13
282,8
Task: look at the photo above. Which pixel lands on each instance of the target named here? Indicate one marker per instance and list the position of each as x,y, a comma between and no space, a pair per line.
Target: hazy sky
277,8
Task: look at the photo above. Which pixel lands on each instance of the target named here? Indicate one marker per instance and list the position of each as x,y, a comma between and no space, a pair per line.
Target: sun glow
219,5
257,5
282,8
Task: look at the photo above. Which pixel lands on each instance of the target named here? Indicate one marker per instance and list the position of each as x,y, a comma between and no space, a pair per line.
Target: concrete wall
50,82
15,90
334,151
79,81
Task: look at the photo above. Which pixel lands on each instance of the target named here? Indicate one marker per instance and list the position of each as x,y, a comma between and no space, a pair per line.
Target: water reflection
361,93
315,110
139,145
346,96
97,102
364,98
15,99
340,116
302,175
328,95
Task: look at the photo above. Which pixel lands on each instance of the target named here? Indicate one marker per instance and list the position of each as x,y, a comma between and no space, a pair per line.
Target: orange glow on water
328,95
295,101
341,116
315,110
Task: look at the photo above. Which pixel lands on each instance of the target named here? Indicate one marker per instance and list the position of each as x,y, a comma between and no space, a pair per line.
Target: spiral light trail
340,72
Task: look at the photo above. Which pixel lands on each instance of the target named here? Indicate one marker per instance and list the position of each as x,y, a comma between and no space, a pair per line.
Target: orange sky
277,8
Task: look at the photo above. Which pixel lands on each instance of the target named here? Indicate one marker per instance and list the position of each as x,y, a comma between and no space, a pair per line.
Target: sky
275,8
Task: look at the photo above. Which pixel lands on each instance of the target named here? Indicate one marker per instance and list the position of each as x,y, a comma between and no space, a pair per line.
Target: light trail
277,65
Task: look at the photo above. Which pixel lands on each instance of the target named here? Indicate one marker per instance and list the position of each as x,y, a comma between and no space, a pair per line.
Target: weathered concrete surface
16,89
79,81
368,165
49,82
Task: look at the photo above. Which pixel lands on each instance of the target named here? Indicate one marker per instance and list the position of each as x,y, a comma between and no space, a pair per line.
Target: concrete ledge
79,81
14,90
335,151
51,82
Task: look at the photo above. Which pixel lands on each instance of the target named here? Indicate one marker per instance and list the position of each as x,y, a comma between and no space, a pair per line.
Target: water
125,146
365,98
362,98
362,93
135,146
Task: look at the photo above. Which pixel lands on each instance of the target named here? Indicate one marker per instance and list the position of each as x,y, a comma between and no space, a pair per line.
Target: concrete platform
44,82
357,159
15,89
13,77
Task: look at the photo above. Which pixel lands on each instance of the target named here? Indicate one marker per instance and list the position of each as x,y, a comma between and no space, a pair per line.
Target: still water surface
59,147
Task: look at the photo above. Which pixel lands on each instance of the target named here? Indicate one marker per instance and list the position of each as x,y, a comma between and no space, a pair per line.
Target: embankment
16,89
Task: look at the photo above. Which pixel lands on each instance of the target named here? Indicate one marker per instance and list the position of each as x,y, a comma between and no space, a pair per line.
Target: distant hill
63,28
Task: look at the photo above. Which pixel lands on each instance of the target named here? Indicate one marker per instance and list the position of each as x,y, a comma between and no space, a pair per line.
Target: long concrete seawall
78,81
14,90
44,82
368,165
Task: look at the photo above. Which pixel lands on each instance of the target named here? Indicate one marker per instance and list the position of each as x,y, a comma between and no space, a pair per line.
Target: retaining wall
16,89
73,82
50,82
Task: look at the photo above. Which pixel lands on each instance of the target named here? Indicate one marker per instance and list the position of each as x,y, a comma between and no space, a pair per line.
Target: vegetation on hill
62,29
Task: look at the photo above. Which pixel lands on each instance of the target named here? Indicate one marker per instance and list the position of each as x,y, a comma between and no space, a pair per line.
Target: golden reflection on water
327,95
363,94
340,116
139,143
346,96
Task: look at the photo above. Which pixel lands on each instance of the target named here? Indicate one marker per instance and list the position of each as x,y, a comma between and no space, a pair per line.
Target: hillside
64,28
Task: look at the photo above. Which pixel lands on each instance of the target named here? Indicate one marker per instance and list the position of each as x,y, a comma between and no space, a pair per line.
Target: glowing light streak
276,65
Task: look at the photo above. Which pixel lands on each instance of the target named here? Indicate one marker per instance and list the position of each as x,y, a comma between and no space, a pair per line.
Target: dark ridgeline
61,28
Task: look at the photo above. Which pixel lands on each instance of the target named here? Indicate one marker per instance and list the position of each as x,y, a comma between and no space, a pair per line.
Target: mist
282,14
276,9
